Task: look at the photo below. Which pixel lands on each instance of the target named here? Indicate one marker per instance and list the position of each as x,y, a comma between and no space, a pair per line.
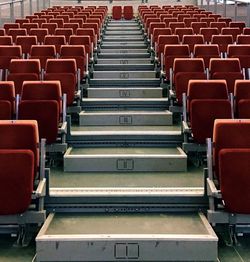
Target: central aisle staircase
124,128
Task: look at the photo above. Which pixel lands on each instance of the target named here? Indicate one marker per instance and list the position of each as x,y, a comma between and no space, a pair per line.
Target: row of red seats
191,40
208,100
119,12
26,47
228,169
63,70
19,164
185,69
159,29
37,101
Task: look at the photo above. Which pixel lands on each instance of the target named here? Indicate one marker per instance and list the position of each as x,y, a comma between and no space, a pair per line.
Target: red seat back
203,112
117,12
21,135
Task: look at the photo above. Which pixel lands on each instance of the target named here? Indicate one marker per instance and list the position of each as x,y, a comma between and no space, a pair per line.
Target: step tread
127,112
108,224
128,129
124,99
130,151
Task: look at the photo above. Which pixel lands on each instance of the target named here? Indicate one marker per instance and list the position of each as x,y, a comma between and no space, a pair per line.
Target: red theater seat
20,135
23,70
56,40
26,42
43,52
185,69
6,40
206,52
7,99
8,26
183,31
222,41
6,54
208,33
51,27
171,52
228,69
117,12
18,144
78,53
40,33
38,101
242,52
231,151
128,12
234,32
65,71
192,40
17,32
242,98
203,113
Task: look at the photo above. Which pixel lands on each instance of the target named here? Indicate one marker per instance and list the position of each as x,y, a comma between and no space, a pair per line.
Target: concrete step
123,38
132,82
123,45
129,61
124,67
121,118
131,159
122,24
124,74
123,55
122,32
126,237
111,28
124,50
125,103
125,92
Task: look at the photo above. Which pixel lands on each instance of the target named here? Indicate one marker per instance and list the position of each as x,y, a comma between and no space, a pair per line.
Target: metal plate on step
124,66
123,28
123,45
123,38
123,55
124,159
125,92
128,61
124,51
123,118
121,33
126,237
128,82
126,135
124,74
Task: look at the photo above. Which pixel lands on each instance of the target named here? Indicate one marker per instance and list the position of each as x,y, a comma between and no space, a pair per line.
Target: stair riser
126,120
123,61
123,56
124,82
124,67
123,46
121,33
123,75
124,93
123,38
78,163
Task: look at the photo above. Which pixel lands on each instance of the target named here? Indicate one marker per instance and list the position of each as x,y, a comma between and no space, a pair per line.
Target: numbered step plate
125,92
132,159
124,61
124,51
123,74
125,118
126,237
